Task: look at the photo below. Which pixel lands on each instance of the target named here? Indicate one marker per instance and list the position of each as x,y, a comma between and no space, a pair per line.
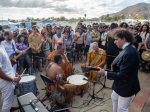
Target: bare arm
73,41
5,77
9,79
139,46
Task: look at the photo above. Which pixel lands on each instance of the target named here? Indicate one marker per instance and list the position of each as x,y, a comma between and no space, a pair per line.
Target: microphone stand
93,95
88,68
103,84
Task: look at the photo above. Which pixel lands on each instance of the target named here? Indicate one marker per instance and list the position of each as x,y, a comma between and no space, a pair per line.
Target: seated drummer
65,65
56,73
96,58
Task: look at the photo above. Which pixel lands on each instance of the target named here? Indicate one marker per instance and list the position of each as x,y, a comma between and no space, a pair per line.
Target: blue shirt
88,38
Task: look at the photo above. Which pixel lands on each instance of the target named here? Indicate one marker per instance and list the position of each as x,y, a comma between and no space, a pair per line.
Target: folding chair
47,81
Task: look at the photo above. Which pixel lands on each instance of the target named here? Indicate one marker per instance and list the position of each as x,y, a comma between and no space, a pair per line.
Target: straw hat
146,55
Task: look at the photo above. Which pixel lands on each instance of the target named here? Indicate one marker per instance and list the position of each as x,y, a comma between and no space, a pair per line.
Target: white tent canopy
9,25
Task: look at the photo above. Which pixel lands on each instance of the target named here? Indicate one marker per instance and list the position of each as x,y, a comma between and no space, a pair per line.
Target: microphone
33,104
89,68
92,68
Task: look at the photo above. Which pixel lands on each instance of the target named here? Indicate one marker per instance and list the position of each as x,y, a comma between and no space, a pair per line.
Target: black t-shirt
138,39
111,48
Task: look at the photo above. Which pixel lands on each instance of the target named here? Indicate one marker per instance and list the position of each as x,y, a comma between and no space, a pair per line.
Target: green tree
138,17
72,19
62,18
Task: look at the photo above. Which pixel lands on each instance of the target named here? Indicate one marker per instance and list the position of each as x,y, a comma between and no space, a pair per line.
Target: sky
21,9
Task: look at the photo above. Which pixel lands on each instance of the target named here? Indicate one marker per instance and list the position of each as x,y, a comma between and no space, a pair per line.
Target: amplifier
30,103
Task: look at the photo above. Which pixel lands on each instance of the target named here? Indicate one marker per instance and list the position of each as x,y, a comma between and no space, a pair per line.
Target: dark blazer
125,72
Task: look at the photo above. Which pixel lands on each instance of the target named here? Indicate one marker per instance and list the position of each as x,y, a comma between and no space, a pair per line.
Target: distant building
4,22
9,26
48,21
135,20
42,23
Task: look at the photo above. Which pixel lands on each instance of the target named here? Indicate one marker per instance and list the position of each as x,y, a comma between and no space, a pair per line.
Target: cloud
29,3
67,8
26,3
60,0
54,5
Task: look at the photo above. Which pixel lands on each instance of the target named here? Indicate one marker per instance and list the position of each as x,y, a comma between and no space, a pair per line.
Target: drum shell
81,89
81,83
27,87
58,97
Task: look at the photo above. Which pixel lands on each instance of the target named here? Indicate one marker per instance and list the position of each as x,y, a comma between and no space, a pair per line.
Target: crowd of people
56,48
35,44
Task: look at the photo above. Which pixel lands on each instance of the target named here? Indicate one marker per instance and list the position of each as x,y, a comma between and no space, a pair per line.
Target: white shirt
5,65
125,44
88,38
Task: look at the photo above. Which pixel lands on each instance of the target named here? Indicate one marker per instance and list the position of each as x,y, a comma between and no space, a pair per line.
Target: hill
140,9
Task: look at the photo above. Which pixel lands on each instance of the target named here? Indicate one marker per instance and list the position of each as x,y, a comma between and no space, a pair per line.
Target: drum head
77,79
26,79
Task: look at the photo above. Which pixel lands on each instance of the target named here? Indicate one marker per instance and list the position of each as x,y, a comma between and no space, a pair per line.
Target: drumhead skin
77,79
26,79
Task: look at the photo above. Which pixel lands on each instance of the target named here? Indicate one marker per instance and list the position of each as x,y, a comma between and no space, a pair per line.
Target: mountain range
140,9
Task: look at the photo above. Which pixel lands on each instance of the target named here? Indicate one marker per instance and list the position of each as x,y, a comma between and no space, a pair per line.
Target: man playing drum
56,73
65,65
96,58
7,78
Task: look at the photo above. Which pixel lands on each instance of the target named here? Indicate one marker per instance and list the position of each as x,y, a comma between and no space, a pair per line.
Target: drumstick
23,72
20,76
